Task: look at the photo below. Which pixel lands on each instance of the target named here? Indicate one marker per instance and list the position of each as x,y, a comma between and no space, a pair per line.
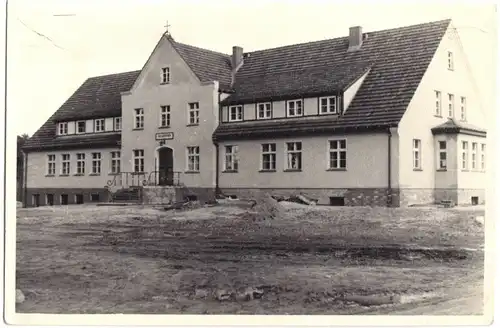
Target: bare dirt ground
314,260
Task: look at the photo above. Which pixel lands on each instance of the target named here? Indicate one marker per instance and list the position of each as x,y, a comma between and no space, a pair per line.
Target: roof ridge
345,36
112,74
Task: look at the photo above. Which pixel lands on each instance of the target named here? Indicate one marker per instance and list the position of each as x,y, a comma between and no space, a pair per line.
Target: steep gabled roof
97,97
397,58
207,65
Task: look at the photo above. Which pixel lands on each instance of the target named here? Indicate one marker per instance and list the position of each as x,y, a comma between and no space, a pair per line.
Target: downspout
216,144
389,168
25,179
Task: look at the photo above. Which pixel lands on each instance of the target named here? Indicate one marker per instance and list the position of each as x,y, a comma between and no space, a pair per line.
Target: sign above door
164,136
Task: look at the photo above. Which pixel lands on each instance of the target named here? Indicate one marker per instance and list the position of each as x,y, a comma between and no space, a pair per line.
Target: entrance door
166,166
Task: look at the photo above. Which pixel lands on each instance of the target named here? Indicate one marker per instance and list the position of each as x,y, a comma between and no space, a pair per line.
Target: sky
53,46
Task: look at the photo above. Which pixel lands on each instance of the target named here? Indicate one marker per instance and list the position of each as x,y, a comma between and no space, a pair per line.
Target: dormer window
99,125
165,75
235,113
63,128
294,108
117,123
81,127
328,105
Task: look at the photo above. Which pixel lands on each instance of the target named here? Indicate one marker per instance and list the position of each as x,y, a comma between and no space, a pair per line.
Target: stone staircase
127,195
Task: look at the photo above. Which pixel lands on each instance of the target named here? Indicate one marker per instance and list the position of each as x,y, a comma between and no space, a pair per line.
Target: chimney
236,62
355,38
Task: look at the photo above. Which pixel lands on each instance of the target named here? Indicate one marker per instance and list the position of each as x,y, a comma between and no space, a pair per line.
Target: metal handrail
137,179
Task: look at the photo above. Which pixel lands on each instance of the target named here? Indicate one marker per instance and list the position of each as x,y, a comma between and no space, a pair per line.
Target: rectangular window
96,163
49,199
474,156
417,160
99,125
338,154
442,165
194,113
483,157
165,116
231,160
463,108
465,155
139,118
294,155
51,164
64,199
264,111
139,160
63,128
65,161
451,105
81,127
268,157
438,102
165,75
328,105
80,163
294,108
117,122
450,60
235,113
193,159
115,162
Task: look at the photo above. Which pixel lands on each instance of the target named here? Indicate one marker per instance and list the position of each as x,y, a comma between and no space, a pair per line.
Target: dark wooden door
36,200
166,166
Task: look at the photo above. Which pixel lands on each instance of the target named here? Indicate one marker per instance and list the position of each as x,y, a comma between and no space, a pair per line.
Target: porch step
127,195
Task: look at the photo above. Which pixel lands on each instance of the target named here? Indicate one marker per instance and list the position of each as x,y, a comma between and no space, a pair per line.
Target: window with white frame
474,156
294,108
442,155
165,116
417,154
231,158
117,122
63,128
264,111
451,105
463,108
99,125
483,157
81,127
465,155
268,162
193,159
51,164
115,162
165,75
438,102
450,60
138,160
96,163
338,154
328,105
194,113
294,155
139,118
66,164
80,163
235,113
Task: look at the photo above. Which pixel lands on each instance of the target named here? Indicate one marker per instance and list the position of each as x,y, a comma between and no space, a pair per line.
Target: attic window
450,60
63,128
99,125
81,127
328,105
165,75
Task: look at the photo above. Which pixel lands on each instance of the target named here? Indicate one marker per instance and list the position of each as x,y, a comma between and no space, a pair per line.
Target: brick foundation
71,192
351,196
167,194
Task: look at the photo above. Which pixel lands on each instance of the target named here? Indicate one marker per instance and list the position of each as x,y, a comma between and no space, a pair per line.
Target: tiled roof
96,97
397,58
452,126
207,65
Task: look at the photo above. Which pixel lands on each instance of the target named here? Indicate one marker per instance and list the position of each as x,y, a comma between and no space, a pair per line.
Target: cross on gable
166,27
